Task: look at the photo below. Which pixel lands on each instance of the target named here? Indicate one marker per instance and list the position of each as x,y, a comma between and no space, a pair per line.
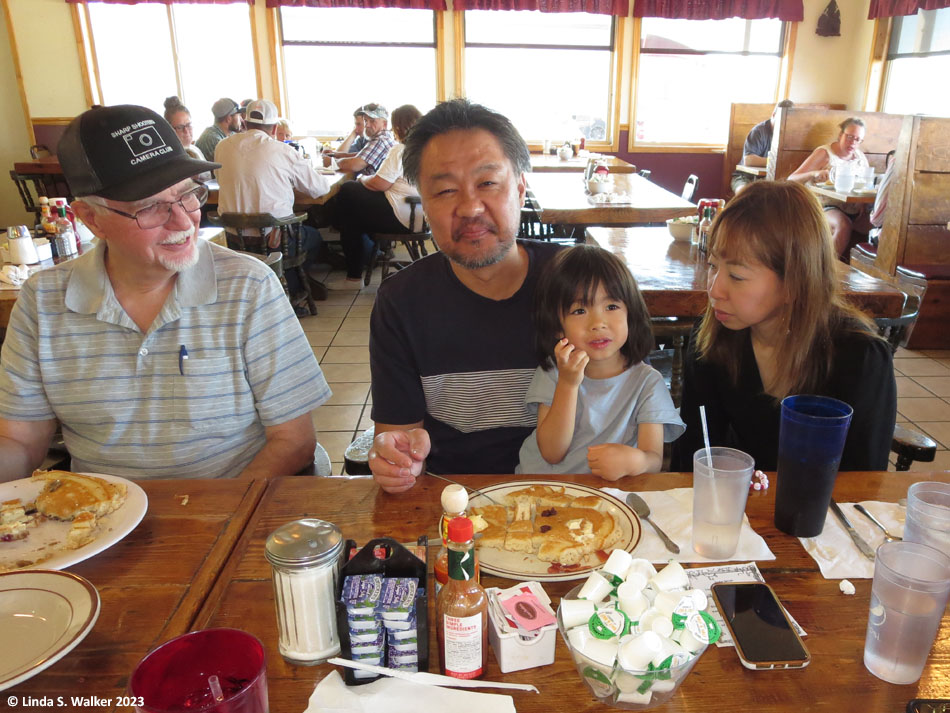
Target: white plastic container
515,653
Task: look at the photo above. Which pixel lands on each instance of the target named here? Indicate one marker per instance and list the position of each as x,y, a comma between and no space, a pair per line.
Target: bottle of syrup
462,609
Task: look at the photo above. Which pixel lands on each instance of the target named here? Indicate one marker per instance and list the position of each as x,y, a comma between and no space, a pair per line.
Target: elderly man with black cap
228,119
159,355
379,141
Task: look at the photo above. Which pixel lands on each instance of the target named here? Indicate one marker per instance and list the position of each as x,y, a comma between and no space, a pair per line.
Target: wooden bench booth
742,119
914,245
799,131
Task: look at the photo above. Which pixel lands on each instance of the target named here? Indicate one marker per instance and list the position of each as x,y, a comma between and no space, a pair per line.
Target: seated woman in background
817,169
179,117
777,325
377,203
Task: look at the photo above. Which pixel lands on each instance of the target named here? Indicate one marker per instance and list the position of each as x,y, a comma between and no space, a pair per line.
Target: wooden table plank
835,681
671,274
152,583
564,200
47,164
757,171
550,163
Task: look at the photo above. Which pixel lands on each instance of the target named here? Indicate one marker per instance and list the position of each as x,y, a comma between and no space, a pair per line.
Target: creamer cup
575,612
596,588
642,566
632,601
617,565
637,651
671,577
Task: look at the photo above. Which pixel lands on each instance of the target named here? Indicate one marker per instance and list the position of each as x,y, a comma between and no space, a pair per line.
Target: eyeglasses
854,138
158,214
182,127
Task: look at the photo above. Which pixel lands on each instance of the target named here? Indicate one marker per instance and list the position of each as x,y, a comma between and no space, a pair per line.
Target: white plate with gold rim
523,566
44,546
43,616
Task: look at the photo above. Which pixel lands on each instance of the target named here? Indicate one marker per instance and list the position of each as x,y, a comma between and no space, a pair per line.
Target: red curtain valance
164,2
403,4
788,10
893,8
597,7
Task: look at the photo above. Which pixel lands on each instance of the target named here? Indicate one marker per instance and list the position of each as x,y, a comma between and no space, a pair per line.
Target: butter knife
858,540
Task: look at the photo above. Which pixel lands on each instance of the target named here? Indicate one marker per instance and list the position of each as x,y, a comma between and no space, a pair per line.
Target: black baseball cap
125,153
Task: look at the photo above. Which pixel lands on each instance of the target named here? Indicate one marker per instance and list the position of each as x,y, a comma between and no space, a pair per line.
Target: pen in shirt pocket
182,358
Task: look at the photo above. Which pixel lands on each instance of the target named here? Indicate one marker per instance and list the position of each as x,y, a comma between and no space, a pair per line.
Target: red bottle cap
460,529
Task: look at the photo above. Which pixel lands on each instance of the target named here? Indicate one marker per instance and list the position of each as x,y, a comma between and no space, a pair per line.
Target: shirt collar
89,290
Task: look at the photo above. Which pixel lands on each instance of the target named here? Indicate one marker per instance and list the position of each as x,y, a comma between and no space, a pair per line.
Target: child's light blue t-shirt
608,411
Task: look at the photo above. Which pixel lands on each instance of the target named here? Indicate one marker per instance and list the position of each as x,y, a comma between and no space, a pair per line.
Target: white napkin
14,275
834,550
396,696
672,511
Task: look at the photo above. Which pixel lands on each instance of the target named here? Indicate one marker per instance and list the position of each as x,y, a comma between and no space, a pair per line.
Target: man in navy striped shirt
158,354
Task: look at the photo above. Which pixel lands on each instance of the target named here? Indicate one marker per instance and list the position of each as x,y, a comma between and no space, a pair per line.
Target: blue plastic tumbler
810,442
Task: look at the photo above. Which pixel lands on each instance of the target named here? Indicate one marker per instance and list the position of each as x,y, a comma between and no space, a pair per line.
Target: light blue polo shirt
128,402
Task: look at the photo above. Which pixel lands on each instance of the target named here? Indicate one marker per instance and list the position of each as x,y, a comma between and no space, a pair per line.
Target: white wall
16,143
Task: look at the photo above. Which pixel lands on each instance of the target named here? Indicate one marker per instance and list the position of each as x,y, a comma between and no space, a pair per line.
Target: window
337,59
919,51
137,47
550,73
690,71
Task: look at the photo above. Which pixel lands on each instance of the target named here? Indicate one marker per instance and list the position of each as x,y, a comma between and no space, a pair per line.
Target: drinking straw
702,415
216,691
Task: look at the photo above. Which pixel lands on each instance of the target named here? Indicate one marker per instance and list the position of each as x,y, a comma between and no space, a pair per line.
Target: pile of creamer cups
635,633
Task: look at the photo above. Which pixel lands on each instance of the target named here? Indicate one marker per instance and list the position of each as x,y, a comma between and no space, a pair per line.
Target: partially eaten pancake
15,520
548,522
65,495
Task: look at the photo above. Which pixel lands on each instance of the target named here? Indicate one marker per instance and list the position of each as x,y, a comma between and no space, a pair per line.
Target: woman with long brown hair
777,324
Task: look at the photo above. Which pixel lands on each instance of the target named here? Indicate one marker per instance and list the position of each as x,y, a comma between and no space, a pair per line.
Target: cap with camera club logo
124,153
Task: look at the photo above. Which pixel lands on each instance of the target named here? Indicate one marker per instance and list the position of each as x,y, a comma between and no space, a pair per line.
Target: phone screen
758,623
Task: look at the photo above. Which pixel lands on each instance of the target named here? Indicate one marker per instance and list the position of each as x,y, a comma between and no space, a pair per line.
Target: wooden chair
689,189
292,250
645,173
31,186
415,243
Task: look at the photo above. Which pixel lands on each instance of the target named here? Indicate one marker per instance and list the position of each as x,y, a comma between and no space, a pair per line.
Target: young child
600,408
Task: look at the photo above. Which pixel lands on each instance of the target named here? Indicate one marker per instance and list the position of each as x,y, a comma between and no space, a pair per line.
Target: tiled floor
339,335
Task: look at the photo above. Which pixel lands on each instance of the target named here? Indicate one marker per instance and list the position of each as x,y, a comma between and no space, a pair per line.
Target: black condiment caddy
397,562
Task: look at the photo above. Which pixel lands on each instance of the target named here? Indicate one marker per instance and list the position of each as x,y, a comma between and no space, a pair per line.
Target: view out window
547,72
919,52
136,51
690,71
337,59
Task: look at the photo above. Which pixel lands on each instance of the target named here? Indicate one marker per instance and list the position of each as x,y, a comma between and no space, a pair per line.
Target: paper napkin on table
672,511
14,275
834,550
397,696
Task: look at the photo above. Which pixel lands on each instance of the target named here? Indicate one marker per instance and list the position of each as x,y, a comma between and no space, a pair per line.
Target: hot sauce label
463,645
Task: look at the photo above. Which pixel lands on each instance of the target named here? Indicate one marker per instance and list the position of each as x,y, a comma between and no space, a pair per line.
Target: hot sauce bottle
454,502
462,608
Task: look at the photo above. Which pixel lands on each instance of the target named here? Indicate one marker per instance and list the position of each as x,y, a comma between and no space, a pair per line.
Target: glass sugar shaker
306,556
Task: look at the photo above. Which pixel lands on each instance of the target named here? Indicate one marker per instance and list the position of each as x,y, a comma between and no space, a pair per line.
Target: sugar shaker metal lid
304,542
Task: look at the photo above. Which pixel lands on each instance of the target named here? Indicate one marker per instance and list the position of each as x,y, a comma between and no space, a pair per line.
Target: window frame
881,58
787,48
616,49
279,63
89,60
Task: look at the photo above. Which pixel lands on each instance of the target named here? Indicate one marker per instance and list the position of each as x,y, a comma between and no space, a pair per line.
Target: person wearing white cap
159,354
227,121
259,174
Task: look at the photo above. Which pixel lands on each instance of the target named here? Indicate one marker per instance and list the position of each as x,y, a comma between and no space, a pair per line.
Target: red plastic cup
210,671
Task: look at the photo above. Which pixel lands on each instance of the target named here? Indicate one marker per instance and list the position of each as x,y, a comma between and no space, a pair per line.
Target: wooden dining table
563,200
301,200
672,274
550,163
836,679
853,197
756,171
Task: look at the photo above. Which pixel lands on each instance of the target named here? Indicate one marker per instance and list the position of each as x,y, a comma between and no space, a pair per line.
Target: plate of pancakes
56,519
548,530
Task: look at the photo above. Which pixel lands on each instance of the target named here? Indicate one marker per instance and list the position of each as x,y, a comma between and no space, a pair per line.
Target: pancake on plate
65,495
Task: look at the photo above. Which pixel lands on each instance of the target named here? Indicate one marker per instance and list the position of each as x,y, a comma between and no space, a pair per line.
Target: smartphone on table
764,637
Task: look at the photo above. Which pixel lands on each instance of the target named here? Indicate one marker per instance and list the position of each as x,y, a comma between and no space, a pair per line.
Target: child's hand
571,362
610,461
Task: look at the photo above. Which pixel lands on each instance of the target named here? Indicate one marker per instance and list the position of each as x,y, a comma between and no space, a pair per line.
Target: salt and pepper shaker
306,558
